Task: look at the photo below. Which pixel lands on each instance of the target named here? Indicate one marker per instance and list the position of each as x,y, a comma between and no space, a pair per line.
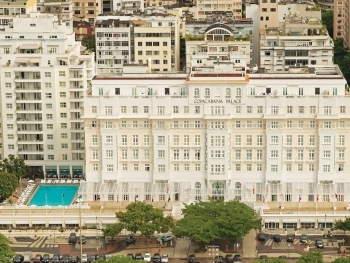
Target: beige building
339,19
326,5
63,9
268,10
86,10
207,9
12,8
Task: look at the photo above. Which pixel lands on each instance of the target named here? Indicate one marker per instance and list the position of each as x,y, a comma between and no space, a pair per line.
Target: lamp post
81,245
63,202
325,221
50,241
54,235
10,234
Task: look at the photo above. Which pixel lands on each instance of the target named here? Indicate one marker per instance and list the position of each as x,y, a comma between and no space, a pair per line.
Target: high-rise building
43,78
62,9
152,38
86,10
341,21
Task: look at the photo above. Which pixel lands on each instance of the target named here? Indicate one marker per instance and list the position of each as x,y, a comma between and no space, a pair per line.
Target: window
161,110
62,73
289,109
311,167
63,105
94,140
146,140
300,139
186,140
125,167
8,96
95,154
238,154
50,157
175,109
342,109
341,154
49,136
176,154
109,167
124,140
135,140
259,167
274,139
327,125
326,154
186,167
312,140
300,155
63,115
249,109
260,109
207,93
313,109
196,92
108,110
300,124
63,95
289,155
109,153
289,140
249,139
64,145
327,139
259,140
312,124
123,109
326,168
238,167
274,125
300,167
64,125
145,109
274,154
161,154
161,168
301,109
274,110
259,154
289,124
109,139
161,139
238,139
186,109
327,110
341,139
288,167
48,85
249,154
274,168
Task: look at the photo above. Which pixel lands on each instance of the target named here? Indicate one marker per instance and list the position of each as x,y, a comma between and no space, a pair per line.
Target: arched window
218,190
238,92
228,93
238,191
125,190
196,92
207,93
198,187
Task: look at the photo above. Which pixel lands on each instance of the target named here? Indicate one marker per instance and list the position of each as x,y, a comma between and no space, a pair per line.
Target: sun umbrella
30,181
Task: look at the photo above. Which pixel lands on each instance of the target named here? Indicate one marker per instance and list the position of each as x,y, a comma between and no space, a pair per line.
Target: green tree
89,42
145,218
182,54
14,166
228,220
342,58
327,20
8,184
342,224
118,259
113,230
313,256
342,260
6,254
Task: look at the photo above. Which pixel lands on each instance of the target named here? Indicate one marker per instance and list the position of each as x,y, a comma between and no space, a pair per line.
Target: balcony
35,156
27,88
27,76
28,98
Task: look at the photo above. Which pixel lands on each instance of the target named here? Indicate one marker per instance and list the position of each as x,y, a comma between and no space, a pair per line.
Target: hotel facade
222,131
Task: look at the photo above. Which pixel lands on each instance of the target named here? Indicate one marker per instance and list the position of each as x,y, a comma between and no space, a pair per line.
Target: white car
165,258
147,257
84,258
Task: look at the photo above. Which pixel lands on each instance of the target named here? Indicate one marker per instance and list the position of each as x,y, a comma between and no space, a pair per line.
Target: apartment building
63,9
339,19
43,77
297,41
205,9
18,7
268,11
151,38
86,10
326,5
224,130
219,44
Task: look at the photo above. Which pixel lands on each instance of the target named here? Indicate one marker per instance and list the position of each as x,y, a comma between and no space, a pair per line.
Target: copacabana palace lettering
216,101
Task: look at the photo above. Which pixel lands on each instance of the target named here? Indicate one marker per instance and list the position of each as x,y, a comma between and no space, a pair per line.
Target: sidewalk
249,245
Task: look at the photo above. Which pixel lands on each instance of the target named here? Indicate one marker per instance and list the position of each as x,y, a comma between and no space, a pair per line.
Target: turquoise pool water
54,195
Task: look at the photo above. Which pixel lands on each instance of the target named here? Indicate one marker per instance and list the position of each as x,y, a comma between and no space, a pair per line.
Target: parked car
82,239
38,258
276,238
219,259
237,257
72,238
130,239
74,259
65,258
229,258
138,256
319,243
263,257
46,258
156,258
18,258
165,238
165,258
84,258
27,257
191,259
303,239
147,257
92,258
130,255
56,258
261,237
289,238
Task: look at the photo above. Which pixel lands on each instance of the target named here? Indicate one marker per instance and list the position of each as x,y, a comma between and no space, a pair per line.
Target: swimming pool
54,195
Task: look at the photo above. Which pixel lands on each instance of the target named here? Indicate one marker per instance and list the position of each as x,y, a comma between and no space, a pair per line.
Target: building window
274,168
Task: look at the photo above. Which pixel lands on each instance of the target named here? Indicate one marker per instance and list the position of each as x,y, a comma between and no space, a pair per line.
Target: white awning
22,60
63,59
71,221
288,220
109,221
5,222
73,57
35,60
82,48
29,46
91,221
307,220
56,222
22,222
327,220
38,222
272,220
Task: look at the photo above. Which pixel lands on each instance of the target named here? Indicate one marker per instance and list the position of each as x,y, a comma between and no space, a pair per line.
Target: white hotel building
224,131
43,75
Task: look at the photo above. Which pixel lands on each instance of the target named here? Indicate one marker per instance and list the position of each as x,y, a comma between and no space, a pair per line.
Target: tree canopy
8,184
228,220
314,256
14,166
113,230
342,224
89,42
342,58
327,20
144,218
272,260
342,260
118,259
6,253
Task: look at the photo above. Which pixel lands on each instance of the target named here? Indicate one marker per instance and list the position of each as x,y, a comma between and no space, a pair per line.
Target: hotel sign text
216,101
